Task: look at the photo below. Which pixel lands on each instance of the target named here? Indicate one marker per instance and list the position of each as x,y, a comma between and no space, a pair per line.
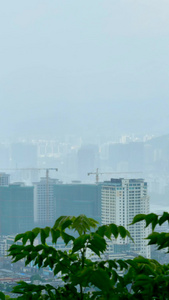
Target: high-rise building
4,179
54,199
127,157
16,209
87,161
78,198
122,199
44,201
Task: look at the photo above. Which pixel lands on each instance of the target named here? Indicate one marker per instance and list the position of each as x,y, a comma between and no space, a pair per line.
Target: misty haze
84,114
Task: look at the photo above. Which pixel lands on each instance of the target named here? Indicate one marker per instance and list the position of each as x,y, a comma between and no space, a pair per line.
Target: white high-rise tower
44,201
122,199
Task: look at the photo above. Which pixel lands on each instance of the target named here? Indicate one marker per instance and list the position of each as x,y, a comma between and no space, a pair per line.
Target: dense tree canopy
87,278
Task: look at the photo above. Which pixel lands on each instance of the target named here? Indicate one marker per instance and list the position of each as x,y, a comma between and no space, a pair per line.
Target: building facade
78,198
4,179
44,201
55,199
16,209
122,199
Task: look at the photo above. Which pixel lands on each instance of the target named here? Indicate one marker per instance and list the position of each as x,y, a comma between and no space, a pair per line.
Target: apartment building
16,209
122,199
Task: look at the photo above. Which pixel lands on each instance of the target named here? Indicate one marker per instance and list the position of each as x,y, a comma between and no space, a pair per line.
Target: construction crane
97,173
29,169
32,169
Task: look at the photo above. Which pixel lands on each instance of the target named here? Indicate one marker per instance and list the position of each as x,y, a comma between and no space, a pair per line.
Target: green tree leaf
98,242
114,230
163,218
55,235
67,238
2,296
82,224
151,219
63,222
80,242
138,218
122,231
18,237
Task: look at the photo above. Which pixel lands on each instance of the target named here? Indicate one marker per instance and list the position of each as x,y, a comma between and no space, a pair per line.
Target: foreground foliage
83,277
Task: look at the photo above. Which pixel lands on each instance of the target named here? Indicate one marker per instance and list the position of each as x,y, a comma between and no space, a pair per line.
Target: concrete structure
77,198
54,199
127,157
16,209
87,161
122,199
44,201
4,179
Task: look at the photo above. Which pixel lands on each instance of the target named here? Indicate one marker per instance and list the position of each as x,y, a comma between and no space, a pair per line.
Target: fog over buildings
130,157
83,89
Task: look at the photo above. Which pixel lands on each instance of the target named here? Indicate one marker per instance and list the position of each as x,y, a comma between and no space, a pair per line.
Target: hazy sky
73,67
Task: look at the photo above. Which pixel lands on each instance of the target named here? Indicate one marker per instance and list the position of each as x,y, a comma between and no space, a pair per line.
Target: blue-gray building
16,209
